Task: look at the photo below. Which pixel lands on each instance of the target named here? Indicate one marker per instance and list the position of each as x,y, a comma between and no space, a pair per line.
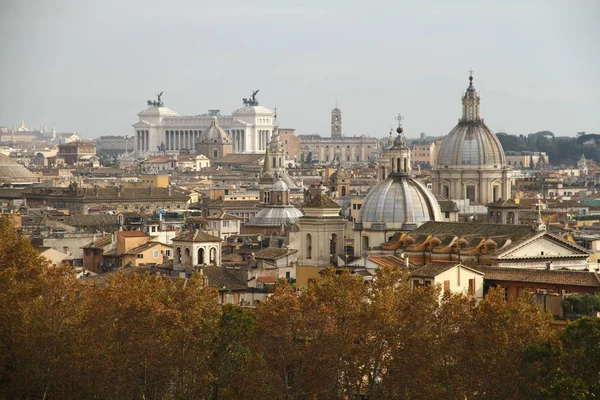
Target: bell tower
399,153
336,123
470,102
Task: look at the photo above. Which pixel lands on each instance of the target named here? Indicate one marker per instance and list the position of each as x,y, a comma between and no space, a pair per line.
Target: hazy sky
89,66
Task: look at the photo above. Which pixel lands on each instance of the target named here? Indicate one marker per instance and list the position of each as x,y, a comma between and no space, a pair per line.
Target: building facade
160,128
75,152
348,149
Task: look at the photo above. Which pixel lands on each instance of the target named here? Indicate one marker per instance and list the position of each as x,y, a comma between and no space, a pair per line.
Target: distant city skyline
89,66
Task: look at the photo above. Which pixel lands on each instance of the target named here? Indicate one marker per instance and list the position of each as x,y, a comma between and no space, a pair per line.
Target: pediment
542,247
142,124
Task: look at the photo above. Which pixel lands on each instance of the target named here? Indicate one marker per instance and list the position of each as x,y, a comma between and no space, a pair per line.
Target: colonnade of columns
186,139
239,140
142,140
263,137
179,140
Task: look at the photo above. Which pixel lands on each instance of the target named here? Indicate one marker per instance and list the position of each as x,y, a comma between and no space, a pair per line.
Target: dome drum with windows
398,202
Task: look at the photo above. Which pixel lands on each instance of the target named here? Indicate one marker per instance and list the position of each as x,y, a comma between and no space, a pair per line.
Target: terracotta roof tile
196,236
274,253
132,234
223,279
321,201
553,277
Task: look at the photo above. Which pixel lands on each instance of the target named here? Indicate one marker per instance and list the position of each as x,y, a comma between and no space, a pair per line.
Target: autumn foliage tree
138,336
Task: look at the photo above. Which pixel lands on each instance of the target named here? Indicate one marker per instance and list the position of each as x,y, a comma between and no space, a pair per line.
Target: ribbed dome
275,216
399,202
471,142
280,185
215,134
11,171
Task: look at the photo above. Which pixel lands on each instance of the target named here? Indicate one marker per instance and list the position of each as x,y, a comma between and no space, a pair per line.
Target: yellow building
157,181
355,206
147,253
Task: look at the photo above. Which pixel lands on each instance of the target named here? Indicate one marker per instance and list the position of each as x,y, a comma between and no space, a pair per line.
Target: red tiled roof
553,277
132,234
387,261
267,279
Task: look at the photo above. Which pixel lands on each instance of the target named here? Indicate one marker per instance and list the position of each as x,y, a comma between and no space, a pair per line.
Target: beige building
525,159
471,163
425,153
348,149
291,143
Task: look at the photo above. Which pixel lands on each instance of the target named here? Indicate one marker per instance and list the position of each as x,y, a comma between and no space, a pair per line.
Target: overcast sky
90,65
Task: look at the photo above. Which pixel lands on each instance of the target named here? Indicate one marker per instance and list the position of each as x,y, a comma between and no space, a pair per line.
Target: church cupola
277,152
399,153
279,194
470,102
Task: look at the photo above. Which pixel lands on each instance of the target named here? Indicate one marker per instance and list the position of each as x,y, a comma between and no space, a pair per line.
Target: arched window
343,190
213,255
201,256
178,255
308,246
186,256
365,241
333,245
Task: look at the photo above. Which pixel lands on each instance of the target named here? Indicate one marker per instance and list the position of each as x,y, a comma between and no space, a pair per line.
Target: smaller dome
339,174
11,171
280,185
215,133
399,142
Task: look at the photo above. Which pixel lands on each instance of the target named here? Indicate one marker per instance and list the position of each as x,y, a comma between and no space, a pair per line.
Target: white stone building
250,128
194,249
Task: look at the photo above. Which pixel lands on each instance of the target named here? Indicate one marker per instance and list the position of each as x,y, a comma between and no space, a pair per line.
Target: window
287,275
471,287
471,192
215,153
168,252
155,253
140,255
225,224
446,287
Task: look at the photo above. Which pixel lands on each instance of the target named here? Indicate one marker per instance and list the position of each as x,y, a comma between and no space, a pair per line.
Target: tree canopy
151,337
560,150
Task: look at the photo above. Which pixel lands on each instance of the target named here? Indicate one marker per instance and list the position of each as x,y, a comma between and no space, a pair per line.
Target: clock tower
336,123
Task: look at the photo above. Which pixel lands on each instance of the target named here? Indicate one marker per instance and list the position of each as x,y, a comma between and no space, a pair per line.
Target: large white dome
399,202
471,142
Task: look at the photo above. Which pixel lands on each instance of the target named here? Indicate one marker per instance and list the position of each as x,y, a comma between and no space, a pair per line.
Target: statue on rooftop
158,102
251,101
